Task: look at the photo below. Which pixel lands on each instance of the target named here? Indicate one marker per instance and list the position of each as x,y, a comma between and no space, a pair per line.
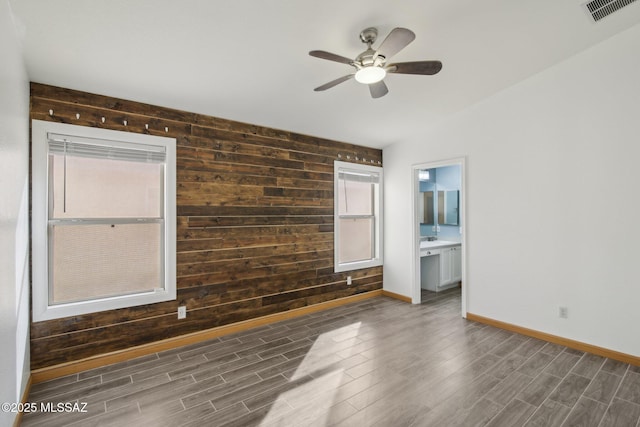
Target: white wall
553,198
14,216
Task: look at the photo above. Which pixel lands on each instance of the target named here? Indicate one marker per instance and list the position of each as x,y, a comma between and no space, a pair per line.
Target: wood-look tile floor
378,362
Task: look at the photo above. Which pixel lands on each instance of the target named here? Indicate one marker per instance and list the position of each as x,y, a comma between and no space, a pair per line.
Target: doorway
439,222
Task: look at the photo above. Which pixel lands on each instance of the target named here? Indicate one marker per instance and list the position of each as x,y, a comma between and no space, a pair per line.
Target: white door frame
415,227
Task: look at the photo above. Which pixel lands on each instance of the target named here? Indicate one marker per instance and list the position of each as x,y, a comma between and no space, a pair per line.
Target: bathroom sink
437,243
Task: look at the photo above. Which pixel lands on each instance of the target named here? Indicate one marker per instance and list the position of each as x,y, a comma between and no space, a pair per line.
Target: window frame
42,308
377,244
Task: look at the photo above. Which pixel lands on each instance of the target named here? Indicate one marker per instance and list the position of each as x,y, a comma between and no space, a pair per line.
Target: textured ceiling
247,60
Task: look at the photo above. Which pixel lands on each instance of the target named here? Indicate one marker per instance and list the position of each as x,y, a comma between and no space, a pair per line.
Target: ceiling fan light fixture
369,75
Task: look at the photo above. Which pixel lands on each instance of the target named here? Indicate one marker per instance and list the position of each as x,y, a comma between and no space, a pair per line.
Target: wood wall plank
254,227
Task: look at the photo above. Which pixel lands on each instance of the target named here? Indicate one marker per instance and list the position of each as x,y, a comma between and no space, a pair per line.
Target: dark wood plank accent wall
255,225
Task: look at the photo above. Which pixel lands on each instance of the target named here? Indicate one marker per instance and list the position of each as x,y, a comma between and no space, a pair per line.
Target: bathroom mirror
428,212
448,207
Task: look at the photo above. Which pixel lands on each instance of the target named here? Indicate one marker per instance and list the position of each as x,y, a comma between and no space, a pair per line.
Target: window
103,220
357,216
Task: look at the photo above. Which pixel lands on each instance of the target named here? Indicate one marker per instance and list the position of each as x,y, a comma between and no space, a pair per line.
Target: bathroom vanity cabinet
440,265
450,265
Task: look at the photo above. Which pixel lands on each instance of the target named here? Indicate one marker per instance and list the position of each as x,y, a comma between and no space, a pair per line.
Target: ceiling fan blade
333,83
330,56
397,39
378,89
418,67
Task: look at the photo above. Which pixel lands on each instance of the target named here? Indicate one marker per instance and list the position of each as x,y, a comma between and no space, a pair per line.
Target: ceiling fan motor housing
366,59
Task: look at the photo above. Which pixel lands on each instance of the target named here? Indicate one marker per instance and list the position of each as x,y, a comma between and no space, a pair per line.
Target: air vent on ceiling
601,8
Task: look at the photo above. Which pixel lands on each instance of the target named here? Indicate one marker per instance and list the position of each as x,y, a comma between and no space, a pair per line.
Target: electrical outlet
348,280
182,312
563,312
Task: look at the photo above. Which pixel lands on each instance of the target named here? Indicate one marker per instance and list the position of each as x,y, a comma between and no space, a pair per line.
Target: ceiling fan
371,65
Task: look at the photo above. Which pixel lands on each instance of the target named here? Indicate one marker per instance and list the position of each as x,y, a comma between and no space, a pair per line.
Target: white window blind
104,149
